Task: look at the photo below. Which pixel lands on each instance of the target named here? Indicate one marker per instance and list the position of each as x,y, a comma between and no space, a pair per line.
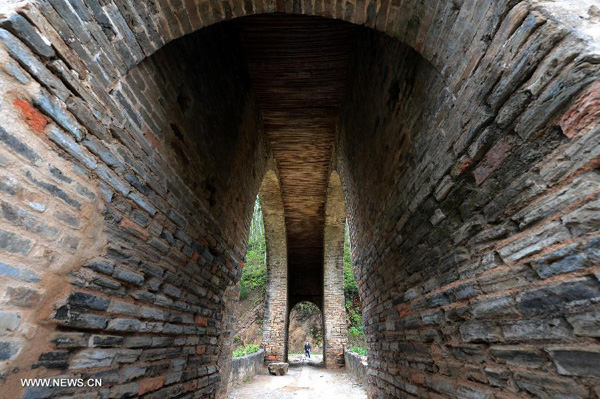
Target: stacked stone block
335,334
477,264
119,264
276,314
469,164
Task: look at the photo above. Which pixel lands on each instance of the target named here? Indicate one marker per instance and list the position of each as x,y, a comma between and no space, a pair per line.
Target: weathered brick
13,243
21,53
493,308
20,27
20,273
554,297
551,234
561,261
67,340
480,332
9,349
586,324
18,146
580,362
9,321
90,301
54,191
536,330
59,114
122,324
128,276
90,358
22,296
519,356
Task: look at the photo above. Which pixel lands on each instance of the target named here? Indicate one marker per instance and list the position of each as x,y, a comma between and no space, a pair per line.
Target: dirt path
303,381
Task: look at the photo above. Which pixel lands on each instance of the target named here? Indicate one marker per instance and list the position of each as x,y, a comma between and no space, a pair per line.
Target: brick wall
335,334
121,264
276,313
469,163
246,367
473,215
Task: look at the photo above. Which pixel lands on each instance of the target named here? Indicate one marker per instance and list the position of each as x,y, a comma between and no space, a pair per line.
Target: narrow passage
302,382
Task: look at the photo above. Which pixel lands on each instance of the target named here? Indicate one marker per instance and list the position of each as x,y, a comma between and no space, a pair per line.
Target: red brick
151,139
190,386
33,117
417,378
134,228
584,112
403,310
462,166
195,256
494,159
201,321
151,384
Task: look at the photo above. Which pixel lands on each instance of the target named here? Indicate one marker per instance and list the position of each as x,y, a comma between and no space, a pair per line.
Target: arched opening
305,326
250,311
275,318
334,310
464,135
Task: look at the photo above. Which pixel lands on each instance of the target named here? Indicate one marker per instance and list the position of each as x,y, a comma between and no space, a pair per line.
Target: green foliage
246,350
304,310
243,290
361,350
356,333
317,335
254,275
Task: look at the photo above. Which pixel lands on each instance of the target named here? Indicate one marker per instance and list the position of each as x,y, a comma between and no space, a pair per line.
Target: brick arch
462,251
335,333
459,240
129,187
436,31
288,321
276,314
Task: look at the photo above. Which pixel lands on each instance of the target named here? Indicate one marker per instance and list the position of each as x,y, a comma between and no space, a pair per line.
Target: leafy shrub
317,335
246,350
254,275
243,290
305,310
356,333
353,307
361,350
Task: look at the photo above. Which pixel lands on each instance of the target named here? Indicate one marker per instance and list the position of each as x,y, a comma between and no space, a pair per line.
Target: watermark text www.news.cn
61,382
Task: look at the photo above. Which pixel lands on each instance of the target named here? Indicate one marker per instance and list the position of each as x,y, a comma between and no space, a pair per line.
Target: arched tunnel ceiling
298,67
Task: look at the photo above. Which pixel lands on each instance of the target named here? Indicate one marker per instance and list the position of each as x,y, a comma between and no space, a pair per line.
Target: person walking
307,349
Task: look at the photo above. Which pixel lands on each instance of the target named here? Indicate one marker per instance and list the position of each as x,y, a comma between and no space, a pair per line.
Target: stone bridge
460,139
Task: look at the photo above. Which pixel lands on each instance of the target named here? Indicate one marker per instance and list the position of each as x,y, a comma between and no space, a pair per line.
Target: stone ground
304,380
297,359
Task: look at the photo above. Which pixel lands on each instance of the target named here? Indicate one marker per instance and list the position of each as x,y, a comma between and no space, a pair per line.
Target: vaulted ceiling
298,67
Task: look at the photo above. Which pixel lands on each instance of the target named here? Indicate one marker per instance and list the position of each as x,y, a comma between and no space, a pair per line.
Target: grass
246,350
360,350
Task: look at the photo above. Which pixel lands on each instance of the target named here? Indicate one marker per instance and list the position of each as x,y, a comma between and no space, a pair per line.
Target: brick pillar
274,340
230,300
334,315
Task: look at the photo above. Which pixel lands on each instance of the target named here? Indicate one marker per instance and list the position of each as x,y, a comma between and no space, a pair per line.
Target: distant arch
276,313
